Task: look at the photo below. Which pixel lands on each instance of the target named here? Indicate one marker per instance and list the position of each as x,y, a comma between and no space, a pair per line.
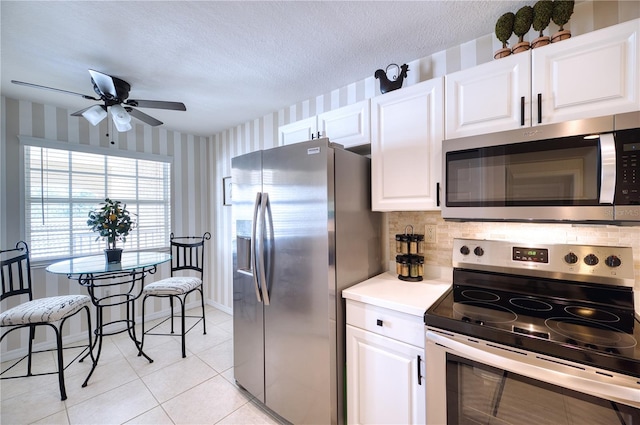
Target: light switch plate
430,233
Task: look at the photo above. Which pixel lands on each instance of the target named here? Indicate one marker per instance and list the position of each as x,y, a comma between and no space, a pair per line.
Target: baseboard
221,307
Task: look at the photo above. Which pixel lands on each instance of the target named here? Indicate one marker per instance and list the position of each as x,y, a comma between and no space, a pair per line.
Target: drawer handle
379,322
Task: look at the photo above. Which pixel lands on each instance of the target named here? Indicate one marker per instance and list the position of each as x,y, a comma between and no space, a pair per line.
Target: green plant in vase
113,222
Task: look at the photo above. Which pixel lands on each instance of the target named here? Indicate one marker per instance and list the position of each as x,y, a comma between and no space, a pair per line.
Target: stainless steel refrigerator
304,231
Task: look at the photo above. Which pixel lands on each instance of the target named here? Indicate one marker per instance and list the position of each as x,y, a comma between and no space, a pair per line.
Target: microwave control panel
628,167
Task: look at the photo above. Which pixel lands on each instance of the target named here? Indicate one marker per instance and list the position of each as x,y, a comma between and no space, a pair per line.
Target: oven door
470,381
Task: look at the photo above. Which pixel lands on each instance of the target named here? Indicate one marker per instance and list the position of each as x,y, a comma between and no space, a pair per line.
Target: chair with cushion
18,313
187,270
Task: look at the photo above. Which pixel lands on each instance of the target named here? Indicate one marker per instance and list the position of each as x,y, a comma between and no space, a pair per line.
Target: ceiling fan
114,92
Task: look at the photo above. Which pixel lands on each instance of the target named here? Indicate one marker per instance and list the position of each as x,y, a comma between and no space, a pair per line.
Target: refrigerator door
248,308
299,226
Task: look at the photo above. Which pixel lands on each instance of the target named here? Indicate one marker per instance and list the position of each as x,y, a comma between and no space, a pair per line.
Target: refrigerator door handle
263,234
254,258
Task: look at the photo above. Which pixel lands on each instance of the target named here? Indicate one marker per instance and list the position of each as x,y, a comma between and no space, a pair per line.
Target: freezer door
301,282
248,309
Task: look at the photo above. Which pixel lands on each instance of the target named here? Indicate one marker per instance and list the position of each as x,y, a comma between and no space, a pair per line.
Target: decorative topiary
523,21
521,25
562,11
542,11
504,29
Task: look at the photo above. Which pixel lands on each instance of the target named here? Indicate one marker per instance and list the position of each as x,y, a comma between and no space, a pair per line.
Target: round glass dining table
113,285
96,264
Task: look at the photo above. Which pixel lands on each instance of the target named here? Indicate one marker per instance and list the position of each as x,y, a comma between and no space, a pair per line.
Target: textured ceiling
229,62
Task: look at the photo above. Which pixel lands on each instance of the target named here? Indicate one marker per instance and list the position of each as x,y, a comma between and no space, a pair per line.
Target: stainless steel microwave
576,171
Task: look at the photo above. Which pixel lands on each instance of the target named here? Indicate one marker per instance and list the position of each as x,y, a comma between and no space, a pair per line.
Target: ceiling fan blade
37,86
94,114
104,84
81,111
157,104
143,117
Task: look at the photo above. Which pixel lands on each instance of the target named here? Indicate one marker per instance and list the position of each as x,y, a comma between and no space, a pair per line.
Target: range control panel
603,264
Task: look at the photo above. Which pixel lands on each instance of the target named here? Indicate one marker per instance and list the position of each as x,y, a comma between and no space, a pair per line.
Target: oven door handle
617,392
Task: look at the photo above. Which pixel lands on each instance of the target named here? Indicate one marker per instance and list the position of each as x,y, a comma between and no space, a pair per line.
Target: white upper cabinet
299,131
406,147
595,74
589,75
350,125
490,97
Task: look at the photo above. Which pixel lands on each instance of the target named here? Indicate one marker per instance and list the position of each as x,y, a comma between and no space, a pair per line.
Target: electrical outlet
430,233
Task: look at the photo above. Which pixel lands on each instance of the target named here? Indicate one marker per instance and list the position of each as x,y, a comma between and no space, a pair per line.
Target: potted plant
521,25
504,29
112,221
542,11
562,11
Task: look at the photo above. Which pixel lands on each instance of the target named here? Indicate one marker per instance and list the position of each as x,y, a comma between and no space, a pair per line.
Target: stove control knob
571,258
613,261
591,260
464,250
478,251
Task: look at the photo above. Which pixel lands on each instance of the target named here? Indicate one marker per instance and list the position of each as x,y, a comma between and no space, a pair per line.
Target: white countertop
386,290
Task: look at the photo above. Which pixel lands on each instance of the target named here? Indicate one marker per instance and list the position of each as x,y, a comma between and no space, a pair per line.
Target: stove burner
592,314
591,333
479,295
531,304
481,313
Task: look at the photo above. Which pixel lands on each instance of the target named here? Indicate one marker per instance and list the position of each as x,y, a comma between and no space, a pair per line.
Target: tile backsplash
439,253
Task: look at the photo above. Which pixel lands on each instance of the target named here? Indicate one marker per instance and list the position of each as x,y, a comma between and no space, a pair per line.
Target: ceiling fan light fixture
120,114
95,114
122,126
121,118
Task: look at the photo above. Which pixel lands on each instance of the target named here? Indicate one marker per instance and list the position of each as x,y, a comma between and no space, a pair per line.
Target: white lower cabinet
385,383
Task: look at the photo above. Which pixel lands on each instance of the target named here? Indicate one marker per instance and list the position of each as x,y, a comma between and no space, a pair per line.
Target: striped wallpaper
261,133
191,203
200,163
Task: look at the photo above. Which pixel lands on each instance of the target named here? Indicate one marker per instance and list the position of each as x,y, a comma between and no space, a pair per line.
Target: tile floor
127,389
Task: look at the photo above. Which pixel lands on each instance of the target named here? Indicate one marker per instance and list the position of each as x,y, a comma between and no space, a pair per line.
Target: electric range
572,302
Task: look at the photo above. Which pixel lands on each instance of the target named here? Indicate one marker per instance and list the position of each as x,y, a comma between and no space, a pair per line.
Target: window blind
62,186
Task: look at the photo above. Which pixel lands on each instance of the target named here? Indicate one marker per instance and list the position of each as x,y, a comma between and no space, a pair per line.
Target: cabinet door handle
539,108
379,322
522,110
437,194
419,372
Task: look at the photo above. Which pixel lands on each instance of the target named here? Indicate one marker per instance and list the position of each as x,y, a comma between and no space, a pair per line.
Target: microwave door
545,180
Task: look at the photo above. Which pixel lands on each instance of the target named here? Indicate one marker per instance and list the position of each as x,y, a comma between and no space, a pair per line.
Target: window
63,185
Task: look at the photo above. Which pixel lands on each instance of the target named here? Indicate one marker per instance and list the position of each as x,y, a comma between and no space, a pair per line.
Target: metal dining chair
187,256
15,278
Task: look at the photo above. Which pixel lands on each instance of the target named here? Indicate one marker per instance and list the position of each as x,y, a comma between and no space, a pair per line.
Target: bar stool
15,276
187,254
